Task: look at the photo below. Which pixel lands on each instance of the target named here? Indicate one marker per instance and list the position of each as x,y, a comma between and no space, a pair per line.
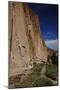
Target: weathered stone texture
26,43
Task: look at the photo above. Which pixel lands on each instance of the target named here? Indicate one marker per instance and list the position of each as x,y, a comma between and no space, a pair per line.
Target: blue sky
48,17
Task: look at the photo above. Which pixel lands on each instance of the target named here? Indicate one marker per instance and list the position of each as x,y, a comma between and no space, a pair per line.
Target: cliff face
26,43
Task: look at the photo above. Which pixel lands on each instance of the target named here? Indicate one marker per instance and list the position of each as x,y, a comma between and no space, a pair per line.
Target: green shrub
51,71
37,68
54,59
42,82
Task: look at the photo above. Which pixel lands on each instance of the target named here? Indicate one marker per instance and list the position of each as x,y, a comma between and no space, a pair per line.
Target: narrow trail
43,70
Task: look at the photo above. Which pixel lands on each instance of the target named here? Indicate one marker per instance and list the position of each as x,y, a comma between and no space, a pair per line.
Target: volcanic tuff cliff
26,45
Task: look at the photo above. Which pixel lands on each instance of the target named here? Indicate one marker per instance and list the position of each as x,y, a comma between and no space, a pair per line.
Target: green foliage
42,82
51,71
37,68
54,59
34,82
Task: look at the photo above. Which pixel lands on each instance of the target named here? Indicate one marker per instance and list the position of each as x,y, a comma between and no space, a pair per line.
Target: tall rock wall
26,45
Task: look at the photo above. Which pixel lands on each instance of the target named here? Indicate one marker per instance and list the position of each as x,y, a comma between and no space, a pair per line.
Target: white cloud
53,44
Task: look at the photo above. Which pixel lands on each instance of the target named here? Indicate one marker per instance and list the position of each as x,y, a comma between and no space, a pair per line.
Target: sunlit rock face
26,45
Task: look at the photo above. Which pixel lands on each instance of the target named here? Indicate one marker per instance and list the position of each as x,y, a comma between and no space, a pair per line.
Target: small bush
37,68
51,71
42,82
54,59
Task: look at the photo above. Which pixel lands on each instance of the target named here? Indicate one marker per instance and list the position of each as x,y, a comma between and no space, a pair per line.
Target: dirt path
43,71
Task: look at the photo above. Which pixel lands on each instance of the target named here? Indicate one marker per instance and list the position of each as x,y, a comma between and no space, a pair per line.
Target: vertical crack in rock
28,31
